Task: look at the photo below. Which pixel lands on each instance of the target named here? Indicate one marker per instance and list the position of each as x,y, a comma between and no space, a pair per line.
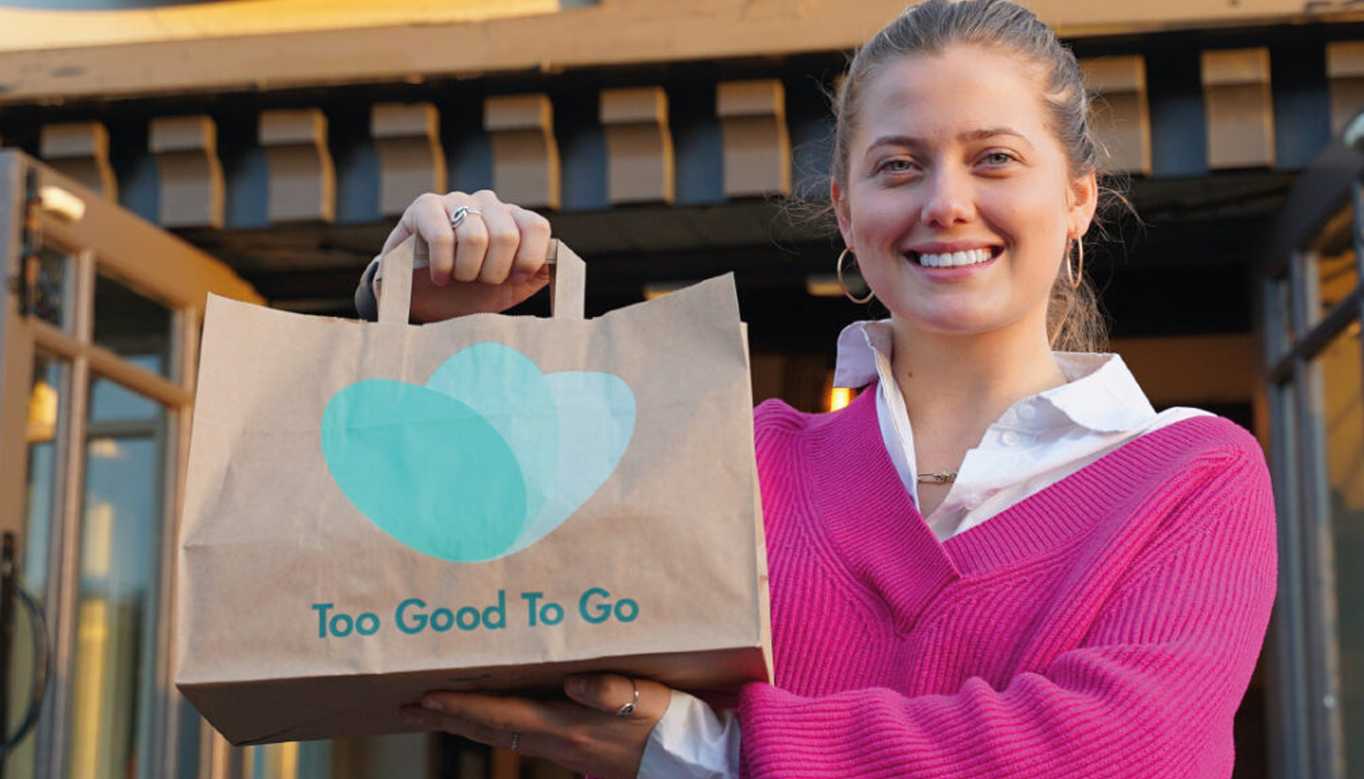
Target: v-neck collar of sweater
879,528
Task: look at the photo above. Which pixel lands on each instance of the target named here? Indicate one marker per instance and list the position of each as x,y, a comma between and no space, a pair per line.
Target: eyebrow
970,135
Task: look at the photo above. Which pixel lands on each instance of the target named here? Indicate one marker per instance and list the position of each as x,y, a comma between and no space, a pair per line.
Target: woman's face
952,156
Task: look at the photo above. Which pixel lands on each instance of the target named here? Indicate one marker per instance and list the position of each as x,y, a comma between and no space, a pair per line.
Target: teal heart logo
485,459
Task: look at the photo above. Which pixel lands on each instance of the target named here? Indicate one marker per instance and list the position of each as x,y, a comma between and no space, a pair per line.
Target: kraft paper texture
374,510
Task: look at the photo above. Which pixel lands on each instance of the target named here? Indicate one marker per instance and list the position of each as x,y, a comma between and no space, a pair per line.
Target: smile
955,259
955,266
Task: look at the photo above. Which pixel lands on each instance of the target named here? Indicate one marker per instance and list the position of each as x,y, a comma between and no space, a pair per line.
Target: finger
494,712
399,232
425,719
429,218
534,229
503,238
471,243
603,692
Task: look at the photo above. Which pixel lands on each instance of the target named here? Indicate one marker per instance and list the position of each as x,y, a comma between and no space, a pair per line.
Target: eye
999,158
895,165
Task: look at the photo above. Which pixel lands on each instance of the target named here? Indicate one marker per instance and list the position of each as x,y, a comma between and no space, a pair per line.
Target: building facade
153,155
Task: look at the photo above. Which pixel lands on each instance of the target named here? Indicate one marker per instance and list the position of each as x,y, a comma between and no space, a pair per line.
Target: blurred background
157,151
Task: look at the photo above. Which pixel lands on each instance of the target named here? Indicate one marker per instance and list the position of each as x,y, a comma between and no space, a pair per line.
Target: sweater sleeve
1151,691
366,306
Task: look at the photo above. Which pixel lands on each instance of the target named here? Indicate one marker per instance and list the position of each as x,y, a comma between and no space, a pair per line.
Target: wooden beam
1239,108
639,146
525,152
1345,72
81,150
302,177
189,173
411,159
1121,117
126,242
757,143
608,33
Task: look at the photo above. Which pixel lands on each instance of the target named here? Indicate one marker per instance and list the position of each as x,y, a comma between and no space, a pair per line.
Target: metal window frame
1308,727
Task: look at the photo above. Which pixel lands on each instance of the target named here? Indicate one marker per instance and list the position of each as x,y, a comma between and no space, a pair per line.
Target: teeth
955,258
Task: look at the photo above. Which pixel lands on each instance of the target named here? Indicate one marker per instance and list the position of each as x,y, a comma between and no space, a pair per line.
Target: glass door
98,346
1314,362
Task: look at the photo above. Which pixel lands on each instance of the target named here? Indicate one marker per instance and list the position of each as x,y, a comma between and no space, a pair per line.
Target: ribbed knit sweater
1107,625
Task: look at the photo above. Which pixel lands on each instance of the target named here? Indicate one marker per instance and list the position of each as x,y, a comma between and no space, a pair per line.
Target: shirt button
1026,412
1010,438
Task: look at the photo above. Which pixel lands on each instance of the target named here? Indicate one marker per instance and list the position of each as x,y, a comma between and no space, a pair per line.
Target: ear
1082,200
840,200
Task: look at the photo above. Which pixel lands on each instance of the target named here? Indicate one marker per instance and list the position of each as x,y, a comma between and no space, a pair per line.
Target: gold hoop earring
838,267
1077,276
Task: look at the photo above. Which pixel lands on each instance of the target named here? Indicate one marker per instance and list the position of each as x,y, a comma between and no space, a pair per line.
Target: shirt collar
1100,394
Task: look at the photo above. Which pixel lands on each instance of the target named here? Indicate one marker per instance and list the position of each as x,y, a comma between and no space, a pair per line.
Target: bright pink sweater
1107,625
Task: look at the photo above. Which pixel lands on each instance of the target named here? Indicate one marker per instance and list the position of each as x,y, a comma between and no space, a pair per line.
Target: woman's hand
583,734
492,261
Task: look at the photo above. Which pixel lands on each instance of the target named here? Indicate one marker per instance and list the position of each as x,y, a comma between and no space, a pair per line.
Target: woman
998,560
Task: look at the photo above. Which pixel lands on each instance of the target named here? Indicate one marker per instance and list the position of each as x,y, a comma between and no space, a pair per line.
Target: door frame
105,240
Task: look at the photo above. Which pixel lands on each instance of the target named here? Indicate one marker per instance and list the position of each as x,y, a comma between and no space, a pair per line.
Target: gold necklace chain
941,477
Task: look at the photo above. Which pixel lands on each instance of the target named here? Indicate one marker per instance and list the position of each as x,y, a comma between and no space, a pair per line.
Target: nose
948,198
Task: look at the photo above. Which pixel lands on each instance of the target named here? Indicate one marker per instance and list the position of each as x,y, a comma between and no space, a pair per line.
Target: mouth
951,260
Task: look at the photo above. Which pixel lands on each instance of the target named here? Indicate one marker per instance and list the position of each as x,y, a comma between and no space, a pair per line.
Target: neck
955,386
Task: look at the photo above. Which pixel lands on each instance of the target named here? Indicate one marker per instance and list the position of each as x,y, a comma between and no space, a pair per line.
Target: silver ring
629,708
516,742
457,216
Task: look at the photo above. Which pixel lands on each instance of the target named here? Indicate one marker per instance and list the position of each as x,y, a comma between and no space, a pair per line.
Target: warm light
97,555
42,413
823,286
105,449
92,688
839,397
655,291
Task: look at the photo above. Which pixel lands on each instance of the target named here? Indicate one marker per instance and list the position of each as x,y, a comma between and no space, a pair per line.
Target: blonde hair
1074,322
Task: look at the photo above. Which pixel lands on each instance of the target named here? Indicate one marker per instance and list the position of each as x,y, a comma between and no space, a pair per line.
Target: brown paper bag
375,510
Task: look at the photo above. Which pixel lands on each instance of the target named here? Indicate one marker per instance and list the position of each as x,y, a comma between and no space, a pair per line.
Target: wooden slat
81,151
1120,114
302,177
126,243
526,168
1345,71
188,171
602,34
108,364
640,163
756,141
1239,108
411,159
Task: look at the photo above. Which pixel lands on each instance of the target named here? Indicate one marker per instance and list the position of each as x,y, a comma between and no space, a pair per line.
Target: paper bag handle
567,280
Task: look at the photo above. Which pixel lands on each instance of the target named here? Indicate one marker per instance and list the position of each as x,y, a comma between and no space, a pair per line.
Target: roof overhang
214,47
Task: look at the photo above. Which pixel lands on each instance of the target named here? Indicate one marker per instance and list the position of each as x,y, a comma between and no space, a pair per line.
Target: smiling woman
1015,173
998,559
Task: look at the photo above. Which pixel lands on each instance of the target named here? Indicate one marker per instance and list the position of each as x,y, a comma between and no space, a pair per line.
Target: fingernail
432,704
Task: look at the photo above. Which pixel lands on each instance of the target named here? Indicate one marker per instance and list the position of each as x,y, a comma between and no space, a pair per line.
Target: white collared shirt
1037,441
